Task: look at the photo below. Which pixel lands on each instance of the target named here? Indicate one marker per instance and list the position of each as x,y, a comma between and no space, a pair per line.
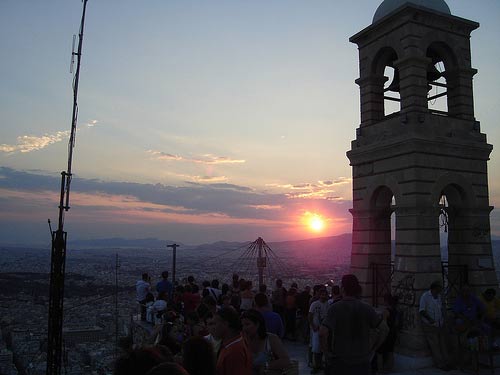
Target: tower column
371,245
460,93
417,265
413,83
372,98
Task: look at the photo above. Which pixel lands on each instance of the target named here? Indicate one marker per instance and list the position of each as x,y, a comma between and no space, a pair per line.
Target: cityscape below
100,292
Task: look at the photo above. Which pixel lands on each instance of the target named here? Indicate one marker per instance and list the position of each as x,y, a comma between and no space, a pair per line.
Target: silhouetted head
145,276
261,300
263,288
323,294
279,283
436,288
227,322
335,290
190,279
350,285
164,275
215,284
253,323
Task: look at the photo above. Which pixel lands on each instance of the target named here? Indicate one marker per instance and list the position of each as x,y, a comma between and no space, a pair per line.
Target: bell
394,86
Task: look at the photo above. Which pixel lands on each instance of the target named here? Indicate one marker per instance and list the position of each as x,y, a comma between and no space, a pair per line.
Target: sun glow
315,222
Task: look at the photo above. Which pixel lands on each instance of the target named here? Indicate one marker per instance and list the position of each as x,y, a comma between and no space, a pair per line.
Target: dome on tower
389,6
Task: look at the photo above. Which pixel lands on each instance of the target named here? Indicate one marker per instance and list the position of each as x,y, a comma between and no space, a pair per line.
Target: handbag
292,369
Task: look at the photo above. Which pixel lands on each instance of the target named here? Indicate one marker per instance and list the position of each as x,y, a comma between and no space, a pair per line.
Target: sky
198,120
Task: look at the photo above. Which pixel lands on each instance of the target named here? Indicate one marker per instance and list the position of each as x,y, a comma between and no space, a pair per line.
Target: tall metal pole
174,259
117,266
261,261
59,237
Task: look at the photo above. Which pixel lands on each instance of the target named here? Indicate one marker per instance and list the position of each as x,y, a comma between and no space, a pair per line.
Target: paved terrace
298,351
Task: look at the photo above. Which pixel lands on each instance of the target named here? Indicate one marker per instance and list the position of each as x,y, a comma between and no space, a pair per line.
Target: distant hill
121,243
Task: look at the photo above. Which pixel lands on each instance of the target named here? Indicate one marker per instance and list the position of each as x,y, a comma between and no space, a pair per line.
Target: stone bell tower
425,167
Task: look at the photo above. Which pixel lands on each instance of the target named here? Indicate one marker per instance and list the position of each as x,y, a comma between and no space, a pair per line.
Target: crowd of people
235,329
472,325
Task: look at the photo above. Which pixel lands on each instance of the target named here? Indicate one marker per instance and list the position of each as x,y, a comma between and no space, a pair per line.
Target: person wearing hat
431,313
351,323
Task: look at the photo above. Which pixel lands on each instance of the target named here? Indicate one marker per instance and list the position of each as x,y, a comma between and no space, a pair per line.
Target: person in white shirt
142,288
317,313
431,313
158,306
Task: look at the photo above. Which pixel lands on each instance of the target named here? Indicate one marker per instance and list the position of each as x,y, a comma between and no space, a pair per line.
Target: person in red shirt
234,357
191,298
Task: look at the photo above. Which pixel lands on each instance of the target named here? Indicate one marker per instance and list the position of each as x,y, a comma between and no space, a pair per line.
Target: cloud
209,178
91,124
30,143
27,197
265,207
323,189
207,159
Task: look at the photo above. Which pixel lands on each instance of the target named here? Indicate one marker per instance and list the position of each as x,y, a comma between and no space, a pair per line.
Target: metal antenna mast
59,237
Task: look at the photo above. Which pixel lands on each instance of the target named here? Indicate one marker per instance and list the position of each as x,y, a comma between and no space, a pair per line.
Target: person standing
317,313
274,324
165,286
234,357
278,298
431,313
268,352
142,288
303,302
350,322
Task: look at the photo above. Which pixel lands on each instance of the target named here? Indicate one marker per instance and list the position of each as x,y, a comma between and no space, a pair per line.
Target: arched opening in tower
437,95
442,62
392,97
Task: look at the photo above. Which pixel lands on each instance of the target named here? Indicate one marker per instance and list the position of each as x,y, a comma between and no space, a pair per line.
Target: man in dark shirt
165,286
274,324
349,320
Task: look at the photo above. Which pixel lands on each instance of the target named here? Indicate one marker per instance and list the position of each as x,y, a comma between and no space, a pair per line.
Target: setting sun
315,222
